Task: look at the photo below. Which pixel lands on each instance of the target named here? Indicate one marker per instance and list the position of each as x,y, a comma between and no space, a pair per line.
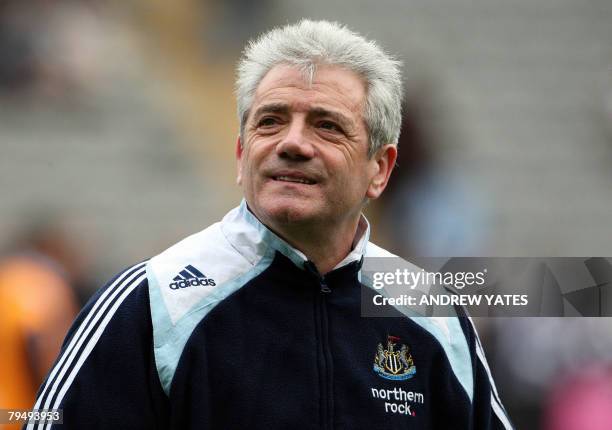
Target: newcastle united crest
394,362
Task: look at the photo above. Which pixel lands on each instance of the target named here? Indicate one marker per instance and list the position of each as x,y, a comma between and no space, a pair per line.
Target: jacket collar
253,239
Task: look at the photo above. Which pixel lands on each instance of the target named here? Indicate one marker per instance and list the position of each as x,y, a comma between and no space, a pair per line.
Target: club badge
395,362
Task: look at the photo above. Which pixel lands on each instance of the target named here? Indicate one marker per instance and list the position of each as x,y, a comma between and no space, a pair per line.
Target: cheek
251,166
247,160
255,153
355,183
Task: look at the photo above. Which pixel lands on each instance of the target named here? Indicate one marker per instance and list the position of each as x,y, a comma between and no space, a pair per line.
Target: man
255,321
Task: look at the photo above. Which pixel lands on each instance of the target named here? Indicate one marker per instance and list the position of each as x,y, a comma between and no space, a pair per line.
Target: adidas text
192,283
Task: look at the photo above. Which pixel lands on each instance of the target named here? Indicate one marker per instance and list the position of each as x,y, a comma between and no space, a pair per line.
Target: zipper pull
324,287
310,267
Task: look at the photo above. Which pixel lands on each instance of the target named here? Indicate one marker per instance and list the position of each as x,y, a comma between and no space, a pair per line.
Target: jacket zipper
324,350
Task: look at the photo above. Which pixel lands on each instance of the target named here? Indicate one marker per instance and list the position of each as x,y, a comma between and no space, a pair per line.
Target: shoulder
124,298
452,333
189,271
378,259
109,348
187,281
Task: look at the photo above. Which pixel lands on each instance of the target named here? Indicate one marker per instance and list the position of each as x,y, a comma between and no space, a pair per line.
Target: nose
295,145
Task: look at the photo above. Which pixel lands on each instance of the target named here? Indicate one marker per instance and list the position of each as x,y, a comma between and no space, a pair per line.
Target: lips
293,179
293,176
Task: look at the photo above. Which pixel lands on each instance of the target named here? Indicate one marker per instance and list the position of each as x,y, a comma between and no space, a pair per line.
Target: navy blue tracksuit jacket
232,328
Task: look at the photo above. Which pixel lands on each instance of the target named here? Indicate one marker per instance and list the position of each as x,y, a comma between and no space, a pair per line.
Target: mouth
294,179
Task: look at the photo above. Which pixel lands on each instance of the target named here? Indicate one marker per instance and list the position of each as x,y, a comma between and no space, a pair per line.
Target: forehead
330,87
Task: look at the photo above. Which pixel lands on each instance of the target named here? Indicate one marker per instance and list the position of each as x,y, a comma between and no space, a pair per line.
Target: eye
330,126
267,121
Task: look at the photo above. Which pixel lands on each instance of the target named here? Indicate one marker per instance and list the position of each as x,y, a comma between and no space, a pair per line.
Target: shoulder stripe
483,360
500,413
123,285
449,334
93,340
496,403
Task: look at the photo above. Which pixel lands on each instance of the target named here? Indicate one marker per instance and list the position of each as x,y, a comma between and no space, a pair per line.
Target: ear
384,161
239,151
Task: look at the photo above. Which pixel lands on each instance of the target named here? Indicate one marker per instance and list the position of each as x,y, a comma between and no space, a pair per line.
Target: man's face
304,156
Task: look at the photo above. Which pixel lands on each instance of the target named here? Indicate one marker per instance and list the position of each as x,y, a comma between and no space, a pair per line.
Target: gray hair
309,43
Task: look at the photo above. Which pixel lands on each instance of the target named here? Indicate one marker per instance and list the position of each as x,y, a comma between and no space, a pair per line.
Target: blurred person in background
37,305
255,321
581,401
547,364
48,48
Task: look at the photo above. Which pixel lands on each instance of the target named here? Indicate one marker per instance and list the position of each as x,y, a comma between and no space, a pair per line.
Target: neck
329,249
324,246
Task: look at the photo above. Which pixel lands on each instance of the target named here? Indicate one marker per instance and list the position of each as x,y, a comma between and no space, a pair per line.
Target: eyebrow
343,120
271,108
282,108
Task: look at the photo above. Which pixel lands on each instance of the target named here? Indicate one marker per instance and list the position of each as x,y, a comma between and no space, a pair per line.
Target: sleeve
105,375
488,413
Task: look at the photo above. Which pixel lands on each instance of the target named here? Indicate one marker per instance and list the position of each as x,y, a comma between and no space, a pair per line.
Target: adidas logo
190,277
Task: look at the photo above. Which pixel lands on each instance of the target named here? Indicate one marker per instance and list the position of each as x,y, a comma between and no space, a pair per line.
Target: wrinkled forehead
324,84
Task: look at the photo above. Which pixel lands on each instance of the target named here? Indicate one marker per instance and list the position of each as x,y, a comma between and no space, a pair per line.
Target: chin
288,211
